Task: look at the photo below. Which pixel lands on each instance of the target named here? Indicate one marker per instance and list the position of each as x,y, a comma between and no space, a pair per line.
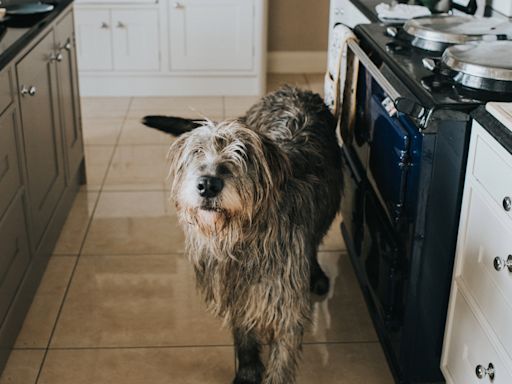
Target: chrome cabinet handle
481,371
500,264
31,91
67,46
178,5
121,24
104,25
56,57
507,203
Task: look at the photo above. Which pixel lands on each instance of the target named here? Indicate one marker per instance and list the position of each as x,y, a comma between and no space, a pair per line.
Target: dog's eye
223,170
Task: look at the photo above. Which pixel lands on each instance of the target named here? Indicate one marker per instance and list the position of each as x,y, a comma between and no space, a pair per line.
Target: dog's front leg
250,368
285,351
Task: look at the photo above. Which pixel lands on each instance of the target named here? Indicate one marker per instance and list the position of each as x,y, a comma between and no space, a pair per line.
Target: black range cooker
405,147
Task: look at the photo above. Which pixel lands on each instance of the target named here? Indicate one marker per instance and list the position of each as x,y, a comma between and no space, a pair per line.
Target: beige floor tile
43,312
77,222
340,316
105,106
237,106
134,132
143,300
316,82
274,81
186,106
139,366
22,367
333,240
134,223
101,131
350,363
97,160
138,167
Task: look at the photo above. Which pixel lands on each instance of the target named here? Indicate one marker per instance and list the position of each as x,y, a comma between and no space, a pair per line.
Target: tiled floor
118,304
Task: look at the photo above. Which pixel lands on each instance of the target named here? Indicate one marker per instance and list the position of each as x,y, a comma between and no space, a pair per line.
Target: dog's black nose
209,186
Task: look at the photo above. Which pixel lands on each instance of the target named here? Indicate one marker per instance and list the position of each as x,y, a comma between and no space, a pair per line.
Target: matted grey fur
255,197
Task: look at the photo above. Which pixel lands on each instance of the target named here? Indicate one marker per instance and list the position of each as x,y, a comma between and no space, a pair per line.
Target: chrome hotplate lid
458,29
490,60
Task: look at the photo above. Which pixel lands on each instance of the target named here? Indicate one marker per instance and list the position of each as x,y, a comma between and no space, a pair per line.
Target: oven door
384,139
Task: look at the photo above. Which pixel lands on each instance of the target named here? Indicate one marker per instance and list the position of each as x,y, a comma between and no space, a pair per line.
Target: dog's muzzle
209,186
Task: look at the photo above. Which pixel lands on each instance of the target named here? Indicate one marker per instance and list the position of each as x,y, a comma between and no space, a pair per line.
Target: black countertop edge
497,130
367,7
33,31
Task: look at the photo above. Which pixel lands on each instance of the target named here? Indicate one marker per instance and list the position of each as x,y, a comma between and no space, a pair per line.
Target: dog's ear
277,168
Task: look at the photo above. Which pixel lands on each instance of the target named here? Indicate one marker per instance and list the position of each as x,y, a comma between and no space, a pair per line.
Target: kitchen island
41,154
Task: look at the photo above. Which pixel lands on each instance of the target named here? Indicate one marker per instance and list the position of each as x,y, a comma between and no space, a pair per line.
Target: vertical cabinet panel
69,98
10,178
94,42
41,131
135,38
206,35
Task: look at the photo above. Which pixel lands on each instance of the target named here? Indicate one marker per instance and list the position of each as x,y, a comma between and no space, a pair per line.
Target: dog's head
223,174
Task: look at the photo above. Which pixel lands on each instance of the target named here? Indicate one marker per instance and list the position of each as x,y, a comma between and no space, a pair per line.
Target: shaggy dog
255,197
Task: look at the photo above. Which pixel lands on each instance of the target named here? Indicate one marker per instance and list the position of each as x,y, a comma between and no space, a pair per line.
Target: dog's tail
173,125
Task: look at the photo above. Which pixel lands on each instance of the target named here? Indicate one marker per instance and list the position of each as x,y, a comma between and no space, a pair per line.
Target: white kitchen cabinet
135,39
211,35
94,42
171,47
478,338
118,39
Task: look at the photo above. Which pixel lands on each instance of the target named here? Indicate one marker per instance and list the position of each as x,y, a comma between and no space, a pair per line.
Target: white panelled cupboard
478,338
163,47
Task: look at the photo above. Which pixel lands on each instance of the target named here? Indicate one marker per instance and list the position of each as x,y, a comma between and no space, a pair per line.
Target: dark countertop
14,39
502,134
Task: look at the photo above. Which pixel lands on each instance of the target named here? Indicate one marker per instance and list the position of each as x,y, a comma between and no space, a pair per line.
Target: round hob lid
457,29
490,60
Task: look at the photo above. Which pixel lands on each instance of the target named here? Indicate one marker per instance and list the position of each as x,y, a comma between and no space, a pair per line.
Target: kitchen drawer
14,253
9,168
481,245
498,182
5,89
470,347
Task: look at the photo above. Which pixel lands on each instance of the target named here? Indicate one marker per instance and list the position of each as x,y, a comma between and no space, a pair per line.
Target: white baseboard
297,61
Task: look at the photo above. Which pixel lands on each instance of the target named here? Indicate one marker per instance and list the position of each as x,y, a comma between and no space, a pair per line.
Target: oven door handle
402,104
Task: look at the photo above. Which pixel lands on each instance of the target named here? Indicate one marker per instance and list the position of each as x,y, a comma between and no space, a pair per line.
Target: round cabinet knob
67,46
507,203
59,57
481,371
500,264
120,24
104,25
31,91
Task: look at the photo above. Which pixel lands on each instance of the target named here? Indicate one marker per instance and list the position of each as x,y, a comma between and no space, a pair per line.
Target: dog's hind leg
319,282
285,351
250,368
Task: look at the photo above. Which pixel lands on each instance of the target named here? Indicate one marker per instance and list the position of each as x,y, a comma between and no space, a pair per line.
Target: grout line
113,348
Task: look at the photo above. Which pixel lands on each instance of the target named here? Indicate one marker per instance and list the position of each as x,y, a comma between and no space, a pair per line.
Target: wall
298,25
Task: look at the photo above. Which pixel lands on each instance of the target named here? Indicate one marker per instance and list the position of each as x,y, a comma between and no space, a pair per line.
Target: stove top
404,62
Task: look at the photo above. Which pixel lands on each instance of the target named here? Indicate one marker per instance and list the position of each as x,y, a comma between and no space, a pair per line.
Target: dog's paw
319,284
249,374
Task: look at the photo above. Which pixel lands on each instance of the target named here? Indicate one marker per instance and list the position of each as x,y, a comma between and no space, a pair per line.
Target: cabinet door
212,35
69,98
41,132
136,40
94,42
